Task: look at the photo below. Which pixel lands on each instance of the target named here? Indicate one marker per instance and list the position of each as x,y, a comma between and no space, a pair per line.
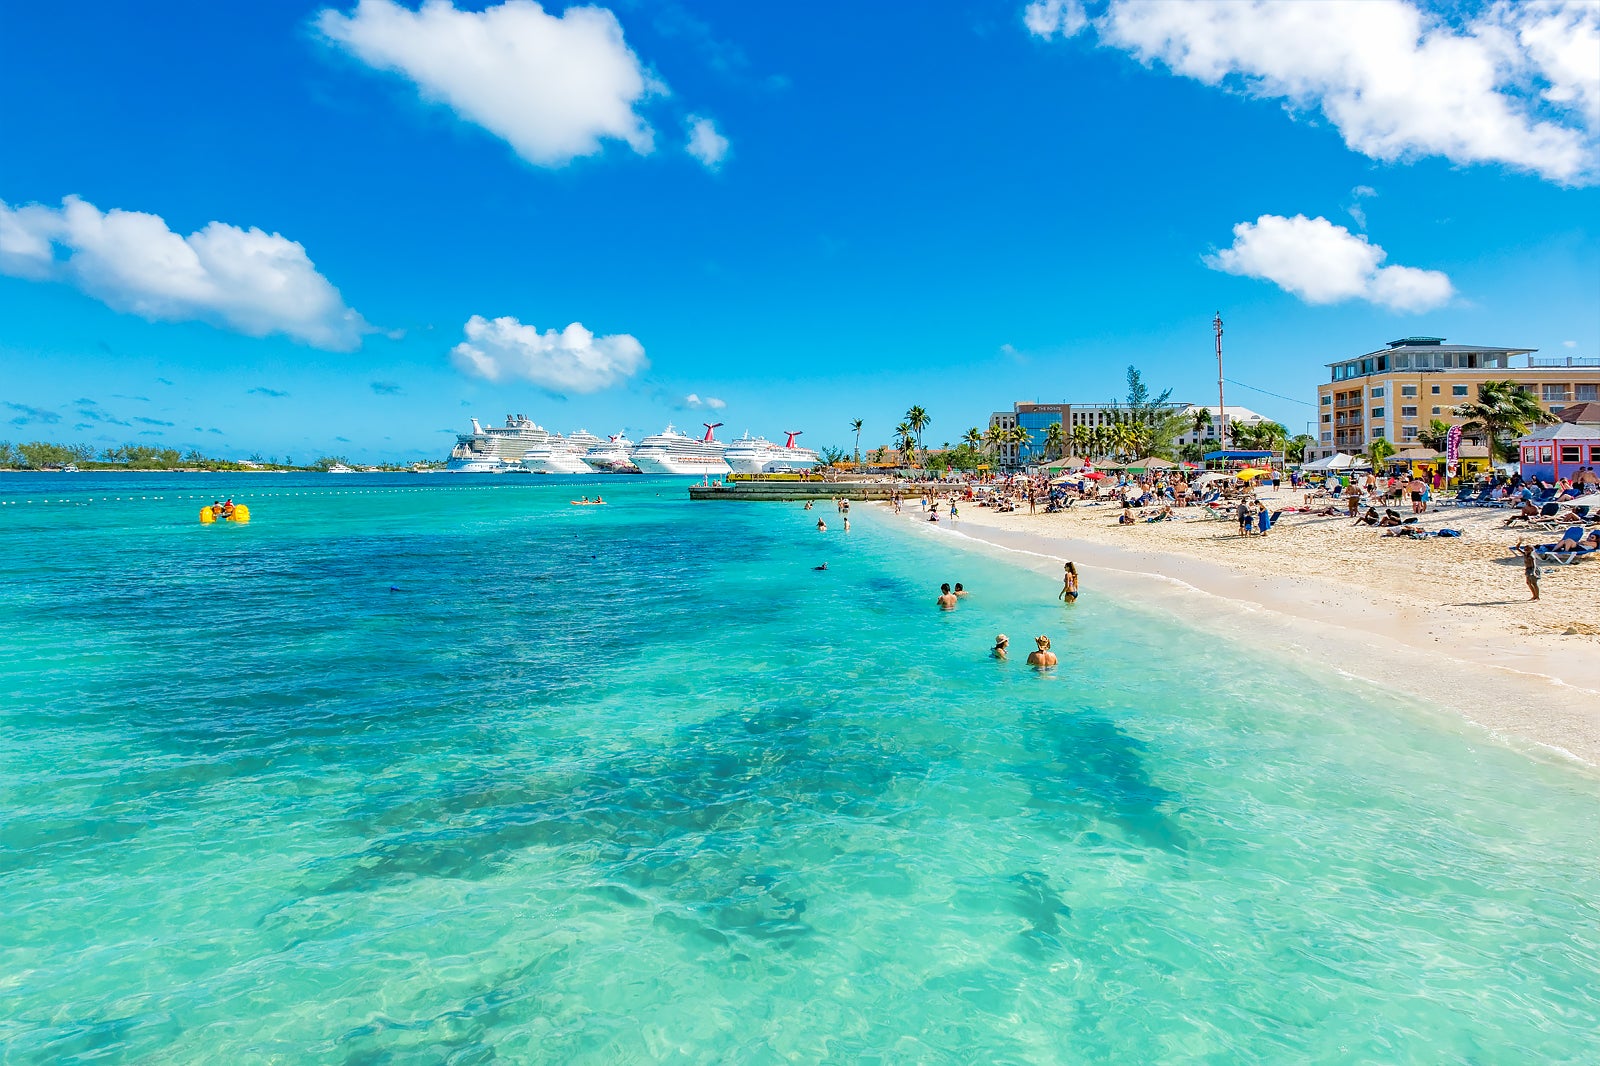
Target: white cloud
572,360
1569,344
1046,18
1323,263
693,400
1355,210
552,87
1519,85
705,143
245,280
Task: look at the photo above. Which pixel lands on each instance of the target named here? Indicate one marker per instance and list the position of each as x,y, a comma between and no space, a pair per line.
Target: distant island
44,456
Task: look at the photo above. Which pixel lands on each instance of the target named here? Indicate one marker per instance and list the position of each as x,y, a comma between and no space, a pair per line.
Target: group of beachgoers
1041,658
841,505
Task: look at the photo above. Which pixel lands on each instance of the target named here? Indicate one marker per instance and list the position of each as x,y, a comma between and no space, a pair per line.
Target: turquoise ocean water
635,784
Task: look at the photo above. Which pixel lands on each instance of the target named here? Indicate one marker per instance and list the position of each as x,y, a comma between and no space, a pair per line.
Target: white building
1242,416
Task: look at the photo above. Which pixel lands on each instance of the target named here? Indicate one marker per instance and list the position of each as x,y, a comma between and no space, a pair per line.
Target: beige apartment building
1394,393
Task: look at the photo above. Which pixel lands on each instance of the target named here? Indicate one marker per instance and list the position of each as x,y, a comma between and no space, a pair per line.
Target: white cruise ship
758,455
557,455
670,452
614,456
497,449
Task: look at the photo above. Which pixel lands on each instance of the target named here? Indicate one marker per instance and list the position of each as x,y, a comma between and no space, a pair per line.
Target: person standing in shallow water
1042,657
947,599
1069,584
1002,645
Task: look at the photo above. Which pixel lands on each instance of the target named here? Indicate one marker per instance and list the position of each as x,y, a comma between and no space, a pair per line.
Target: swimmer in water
847,523
1043,657
959,590
1002,644
824,566
947,599
822,527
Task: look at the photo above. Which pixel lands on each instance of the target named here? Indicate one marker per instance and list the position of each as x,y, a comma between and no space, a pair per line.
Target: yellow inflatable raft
208,515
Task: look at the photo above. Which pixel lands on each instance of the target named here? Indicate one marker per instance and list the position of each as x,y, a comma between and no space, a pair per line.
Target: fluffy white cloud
553,88
246,280
572,360
705,143
1519,85
1046,18
1322,263
694,400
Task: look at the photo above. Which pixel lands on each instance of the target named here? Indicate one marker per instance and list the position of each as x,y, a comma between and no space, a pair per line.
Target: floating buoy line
265,495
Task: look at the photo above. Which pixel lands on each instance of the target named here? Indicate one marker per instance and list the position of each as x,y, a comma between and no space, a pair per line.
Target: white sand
1445,620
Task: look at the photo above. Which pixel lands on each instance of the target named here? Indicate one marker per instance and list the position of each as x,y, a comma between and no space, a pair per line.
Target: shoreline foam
1540,693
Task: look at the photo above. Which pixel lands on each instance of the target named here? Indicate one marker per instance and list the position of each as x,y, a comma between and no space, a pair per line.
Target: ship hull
692,465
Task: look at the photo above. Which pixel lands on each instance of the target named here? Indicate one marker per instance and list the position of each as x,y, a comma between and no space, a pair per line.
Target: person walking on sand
1244,518
947,599
1530,568
1069,584
1042,657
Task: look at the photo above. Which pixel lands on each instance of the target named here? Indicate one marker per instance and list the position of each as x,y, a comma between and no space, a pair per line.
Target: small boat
209,515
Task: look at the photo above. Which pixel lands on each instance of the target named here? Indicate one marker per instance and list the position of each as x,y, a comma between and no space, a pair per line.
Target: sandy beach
1445,620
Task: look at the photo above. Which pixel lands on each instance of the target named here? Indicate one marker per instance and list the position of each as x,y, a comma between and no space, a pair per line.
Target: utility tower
1222,404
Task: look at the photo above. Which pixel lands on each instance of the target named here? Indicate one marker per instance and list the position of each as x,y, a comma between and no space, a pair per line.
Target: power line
1264,392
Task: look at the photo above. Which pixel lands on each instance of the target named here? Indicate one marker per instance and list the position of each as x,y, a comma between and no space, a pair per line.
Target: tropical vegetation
1503,411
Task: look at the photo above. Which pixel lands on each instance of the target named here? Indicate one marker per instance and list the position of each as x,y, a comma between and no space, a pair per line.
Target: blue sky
359,226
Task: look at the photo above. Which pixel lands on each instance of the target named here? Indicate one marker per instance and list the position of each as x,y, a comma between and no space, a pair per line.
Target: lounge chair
1561,556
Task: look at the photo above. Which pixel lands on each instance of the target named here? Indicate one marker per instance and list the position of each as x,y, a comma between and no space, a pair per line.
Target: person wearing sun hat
1002,644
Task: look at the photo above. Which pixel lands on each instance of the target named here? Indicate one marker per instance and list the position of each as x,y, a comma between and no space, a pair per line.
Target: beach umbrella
1591,500
1094,475
1250,474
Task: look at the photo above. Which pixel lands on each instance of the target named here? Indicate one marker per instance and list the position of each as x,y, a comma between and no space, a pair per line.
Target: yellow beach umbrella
1251,473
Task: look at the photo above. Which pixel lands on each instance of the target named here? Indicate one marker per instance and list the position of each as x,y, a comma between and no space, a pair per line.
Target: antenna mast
1222,404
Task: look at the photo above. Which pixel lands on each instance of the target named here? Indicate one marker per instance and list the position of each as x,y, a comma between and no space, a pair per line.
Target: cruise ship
670,452
560,455
758,455
497,449
614,456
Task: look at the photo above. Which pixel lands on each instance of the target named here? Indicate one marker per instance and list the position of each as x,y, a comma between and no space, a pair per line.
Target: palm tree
1436,436
904,440
1295,450
1123,439
1022,439
973,438
1055,440
918,420
855,427
1379,450
1082,440
1271,436
1502,412
1202,419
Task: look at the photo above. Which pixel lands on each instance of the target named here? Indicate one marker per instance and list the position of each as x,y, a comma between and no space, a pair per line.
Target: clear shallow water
634,784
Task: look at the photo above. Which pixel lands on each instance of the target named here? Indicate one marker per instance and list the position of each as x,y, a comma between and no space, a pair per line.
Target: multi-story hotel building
1037,418
1396,392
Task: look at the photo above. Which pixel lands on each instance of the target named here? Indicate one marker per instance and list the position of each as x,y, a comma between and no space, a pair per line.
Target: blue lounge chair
1550,553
